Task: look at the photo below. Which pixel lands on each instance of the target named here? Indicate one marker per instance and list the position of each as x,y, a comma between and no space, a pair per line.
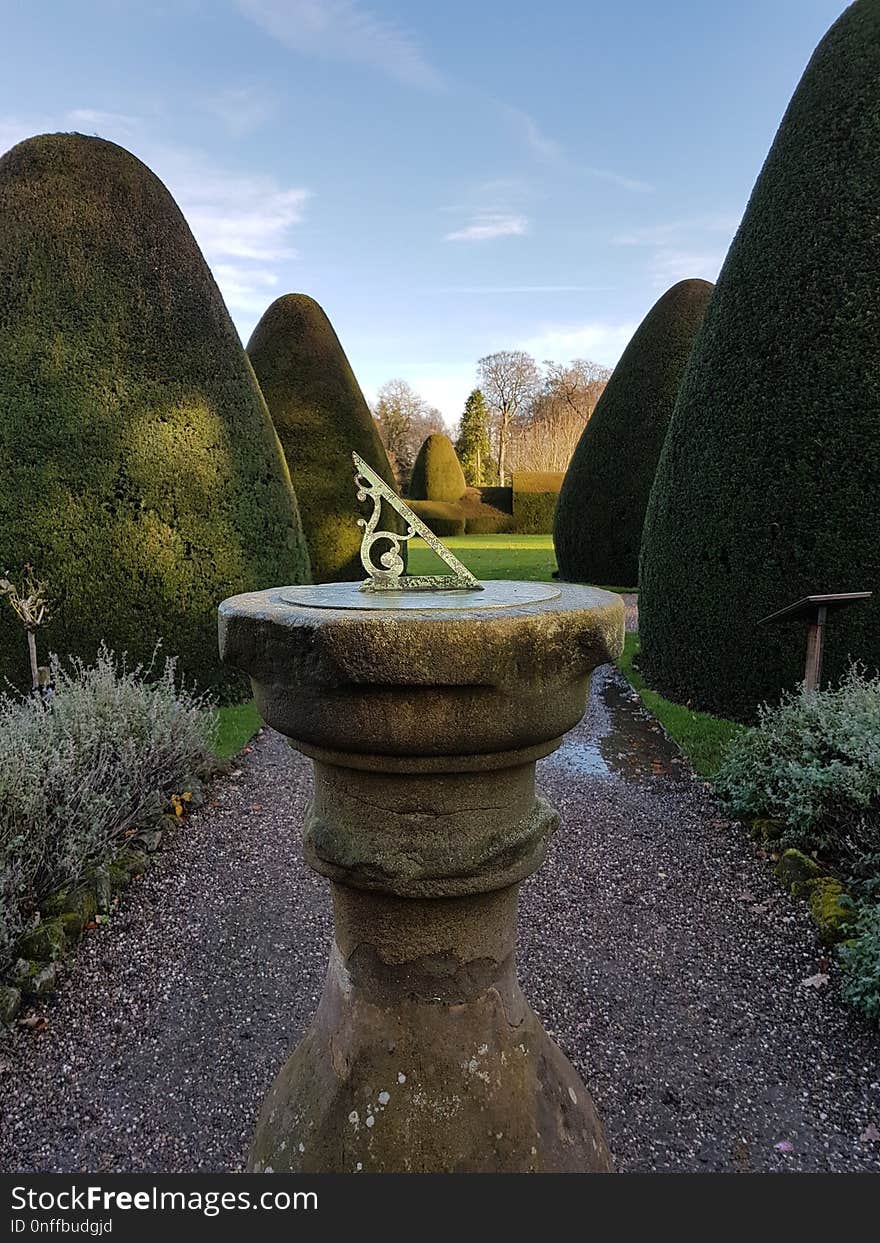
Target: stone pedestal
424,724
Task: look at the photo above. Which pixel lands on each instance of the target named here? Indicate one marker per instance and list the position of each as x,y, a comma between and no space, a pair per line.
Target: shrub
320,416
861,962
767,485
535,496
437,473
139,471
488,521
813,762
440,517
598,527
75,775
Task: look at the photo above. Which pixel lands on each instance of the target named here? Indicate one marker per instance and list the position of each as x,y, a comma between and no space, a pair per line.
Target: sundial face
497,594
388,574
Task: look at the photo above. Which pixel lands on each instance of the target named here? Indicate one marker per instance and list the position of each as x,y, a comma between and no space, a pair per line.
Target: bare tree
546,436
509,380
404,420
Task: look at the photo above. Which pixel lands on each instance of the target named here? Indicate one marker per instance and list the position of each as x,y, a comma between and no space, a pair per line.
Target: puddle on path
617,737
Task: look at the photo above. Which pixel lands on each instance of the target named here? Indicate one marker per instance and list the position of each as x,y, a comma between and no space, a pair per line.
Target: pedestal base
428,1065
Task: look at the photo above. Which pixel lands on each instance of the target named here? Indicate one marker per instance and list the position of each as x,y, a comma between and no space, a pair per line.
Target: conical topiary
437,473
139,471
321,416
767,487
597,530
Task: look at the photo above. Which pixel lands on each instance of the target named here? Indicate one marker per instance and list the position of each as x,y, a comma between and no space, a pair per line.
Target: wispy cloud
344,30
618,179
94,120
512,289
674,230
244,223
246,289
601,341
551,151
530,133
679,249
488,225
240,109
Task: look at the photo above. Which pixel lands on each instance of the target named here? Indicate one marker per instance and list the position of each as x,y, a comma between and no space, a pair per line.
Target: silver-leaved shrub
861,962
813,762
77,773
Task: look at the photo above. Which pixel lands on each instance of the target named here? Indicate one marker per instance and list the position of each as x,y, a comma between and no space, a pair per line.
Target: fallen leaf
784,1145
34,1022
819,980
869,1135
256,807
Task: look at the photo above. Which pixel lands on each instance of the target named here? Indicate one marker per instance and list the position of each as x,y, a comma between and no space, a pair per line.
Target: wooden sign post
814,610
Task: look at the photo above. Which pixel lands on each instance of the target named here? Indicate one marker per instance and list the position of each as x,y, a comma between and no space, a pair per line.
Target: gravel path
678,987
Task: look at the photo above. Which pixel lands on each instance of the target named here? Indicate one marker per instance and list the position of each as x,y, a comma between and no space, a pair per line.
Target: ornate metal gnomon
388,574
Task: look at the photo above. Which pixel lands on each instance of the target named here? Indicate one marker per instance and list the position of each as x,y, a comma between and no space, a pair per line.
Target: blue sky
447,178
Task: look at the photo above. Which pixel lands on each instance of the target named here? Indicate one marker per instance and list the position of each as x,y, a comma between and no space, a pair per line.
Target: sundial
387,587
423,728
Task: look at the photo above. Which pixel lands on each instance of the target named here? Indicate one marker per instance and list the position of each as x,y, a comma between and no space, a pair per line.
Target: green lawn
493,556
236,726
702,738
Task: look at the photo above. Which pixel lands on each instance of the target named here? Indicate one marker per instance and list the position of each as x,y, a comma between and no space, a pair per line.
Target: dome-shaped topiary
321,416
139,471
437,473
597,530
767,487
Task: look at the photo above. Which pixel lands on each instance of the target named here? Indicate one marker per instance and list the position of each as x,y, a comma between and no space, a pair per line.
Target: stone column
424,730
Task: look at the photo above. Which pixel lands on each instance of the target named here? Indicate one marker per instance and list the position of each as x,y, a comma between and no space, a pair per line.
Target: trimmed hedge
535,495
598,527
437,473
320,416
466,516
139,470
768,483
442,517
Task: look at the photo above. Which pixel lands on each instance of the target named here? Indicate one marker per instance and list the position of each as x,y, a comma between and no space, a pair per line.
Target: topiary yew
767,486
139,471
437,473
597,530
320,415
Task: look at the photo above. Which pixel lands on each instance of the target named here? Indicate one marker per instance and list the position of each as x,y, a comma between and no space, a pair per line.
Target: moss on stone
10,1003
44,943
766,489
36,979
597,530
830,909
320,416
139,470
767,829
78,900
437,473
794,868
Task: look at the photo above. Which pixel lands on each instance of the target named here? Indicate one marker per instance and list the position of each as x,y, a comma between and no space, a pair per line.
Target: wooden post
32,651
815,640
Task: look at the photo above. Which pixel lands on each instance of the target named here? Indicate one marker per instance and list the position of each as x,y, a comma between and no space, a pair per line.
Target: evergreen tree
767,485
140,474
472,445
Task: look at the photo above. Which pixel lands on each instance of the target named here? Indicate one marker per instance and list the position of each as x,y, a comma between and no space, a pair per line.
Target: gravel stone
656,946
